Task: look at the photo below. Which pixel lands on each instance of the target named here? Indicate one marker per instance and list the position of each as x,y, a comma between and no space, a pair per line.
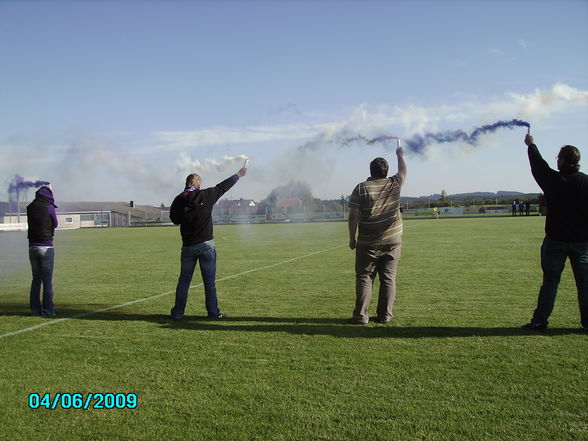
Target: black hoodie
195,211
42,218
566,194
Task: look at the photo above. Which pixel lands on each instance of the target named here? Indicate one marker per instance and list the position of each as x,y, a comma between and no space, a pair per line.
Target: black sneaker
535,326
220,316
354,321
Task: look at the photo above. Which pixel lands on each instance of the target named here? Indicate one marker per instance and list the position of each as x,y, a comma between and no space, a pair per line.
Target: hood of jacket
46,194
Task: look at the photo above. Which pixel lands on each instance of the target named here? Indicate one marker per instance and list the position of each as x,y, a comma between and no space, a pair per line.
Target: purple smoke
343,139
418,143
19,183
361,138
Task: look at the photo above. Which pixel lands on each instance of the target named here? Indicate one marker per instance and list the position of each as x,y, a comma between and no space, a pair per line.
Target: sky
119,101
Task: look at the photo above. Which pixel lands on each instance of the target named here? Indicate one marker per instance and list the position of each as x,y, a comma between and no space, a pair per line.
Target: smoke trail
377,140
343,139
19,183
418,143
187,164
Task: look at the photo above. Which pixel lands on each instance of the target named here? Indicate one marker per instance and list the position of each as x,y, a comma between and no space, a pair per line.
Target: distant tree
443,199
293,189
333,205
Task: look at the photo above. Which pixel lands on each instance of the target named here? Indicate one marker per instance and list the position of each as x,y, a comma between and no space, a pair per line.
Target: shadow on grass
336,327
341,328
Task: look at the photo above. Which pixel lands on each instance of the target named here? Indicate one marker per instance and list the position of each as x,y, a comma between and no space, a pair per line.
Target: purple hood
47,194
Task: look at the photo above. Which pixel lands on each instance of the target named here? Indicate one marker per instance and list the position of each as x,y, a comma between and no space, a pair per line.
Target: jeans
42,259
553,259
204,252
381,260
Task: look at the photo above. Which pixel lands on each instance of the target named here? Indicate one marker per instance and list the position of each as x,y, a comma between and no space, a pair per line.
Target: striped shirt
378,201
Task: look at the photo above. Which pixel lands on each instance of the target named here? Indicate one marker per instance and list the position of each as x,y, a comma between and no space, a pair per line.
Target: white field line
145,299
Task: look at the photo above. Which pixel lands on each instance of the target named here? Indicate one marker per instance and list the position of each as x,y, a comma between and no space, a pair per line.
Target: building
237,211
287,203
72,215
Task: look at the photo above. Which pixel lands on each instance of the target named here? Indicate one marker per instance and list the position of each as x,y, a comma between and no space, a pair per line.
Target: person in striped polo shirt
374,209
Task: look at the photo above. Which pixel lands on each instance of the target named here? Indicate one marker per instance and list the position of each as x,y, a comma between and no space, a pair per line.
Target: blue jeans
42,259
204,252
553,259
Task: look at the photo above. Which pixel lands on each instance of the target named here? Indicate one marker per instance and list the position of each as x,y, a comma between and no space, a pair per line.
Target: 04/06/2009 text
83,401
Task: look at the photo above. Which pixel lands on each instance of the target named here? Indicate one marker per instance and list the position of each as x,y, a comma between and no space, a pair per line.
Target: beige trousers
369,261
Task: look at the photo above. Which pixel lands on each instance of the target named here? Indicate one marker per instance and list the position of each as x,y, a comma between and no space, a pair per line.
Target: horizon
507,193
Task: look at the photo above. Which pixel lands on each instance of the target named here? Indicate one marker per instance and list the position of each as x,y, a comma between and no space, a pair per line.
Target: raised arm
539,167
401,163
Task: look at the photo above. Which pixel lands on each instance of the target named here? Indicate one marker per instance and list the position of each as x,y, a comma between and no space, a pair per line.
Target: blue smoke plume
418,143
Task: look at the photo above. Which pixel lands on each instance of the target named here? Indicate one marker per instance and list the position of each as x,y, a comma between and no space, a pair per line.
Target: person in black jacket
42,221
566,229
192,210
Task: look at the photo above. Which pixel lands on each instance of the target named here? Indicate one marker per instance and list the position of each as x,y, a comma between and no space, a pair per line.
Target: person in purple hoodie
42,221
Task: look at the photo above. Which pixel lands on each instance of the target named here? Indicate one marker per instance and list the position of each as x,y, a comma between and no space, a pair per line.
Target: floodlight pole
17,205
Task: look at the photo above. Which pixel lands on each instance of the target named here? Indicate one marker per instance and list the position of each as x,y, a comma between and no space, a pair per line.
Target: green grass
453,365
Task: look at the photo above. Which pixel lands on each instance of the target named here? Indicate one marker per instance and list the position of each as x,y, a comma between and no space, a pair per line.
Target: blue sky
120,100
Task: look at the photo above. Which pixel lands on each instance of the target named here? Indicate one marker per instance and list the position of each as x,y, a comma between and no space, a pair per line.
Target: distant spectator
42,221
527,208
566,229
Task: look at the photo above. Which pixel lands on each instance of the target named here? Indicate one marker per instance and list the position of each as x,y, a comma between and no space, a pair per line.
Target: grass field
452,365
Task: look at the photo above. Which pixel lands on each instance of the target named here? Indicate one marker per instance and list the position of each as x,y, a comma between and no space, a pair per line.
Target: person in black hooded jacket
42,221
566,229
192,210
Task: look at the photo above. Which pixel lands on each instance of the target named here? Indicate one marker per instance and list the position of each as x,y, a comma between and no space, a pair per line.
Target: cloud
542,103
287,108
397,120
221,135
186,164
86,166
410,122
